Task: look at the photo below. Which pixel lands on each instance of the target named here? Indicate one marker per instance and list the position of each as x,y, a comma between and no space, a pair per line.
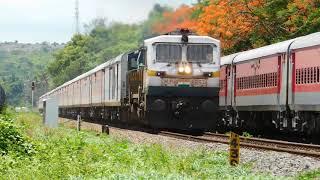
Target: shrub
12,139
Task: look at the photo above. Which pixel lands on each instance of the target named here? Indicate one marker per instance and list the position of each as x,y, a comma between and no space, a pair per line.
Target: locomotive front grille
178,82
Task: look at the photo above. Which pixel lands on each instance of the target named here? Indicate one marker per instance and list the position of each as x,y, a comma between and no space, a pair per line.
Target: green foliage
67,154
12,140
247,135
84,52
19,65
155,16
309,175
280,20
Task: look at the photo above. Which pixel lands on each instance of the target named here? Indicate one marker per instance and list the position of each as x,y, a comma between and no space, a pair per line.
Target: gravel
275,163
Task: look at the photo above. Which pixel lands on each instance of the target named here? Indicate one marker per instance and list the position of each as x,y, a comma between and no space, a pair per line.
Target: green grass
309,175
64,153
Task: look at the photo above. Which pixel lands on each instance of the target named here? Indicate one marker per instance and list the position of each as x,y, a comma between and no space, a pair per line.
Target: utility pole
77,17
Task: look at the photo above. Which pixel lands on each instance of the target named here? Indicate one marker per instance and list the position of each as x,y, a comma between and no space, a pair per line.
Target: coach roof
306,41
92,71
228,59
277,48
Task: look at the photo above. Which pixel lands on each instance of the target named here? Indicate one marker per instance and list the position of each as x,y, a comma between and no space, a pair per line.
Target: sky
31,21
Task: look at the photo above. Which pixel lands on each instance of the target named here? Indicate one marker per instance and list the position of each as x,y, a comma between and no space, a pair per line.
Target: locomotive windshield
195,53
200,53
169,53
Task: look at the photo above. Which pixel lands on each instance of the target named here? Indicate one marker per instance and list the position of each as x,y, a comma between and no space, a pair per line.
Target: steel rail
277,142
272,144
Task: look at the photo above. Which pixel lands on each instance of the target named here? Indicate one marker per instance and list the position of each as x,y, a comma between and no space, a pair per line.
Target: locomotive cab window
132,61
141,58
136,59
199,53
168,53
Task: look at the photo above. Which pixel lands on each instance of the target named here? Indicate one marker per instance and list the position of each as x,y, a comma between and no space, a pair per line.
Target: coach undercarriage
302,123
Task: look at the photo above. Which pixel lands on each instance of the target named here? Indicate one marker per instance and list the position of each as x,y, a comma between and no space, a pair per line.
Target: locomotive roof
306,41
177,38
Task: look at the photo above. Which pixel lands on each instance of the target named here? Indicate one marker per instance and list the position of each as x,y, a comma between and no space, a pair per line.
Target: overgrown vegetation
12,139
64,153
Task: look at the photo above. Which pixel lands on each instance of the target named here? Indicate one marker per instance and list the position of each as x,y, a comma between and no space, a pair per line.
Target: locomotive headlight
181,69
187,69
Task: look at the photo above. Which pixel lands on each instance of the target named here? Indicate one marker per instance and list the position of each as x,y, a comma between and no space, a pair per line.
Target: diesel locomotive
172,82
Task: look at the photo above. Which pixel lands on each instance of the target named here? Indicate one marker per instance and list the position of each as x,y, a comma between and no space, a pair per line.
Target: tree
155,16
172,20
70,61
84,52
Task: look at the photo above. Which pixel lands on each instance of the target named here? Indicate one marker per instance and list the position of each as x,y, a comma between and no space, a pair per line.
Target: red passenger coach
306,67
257,81
273,87
304,97
256,91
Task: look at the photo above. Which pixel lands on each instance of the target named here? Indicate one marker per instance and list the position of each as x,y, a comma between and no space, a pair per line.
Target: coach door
229,85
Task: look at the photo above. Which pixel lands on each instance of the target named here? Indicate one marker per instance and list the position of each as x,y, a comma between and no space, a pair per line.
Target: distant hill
20,64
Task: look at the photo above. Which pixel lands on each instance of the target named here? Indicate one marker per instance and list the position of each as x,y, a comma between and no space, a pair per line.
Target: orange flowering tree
172,20
245,24
230,21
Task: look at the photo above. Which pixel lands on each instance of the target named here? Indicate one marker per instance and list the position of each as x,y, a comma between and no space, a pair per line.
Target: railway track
255,143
